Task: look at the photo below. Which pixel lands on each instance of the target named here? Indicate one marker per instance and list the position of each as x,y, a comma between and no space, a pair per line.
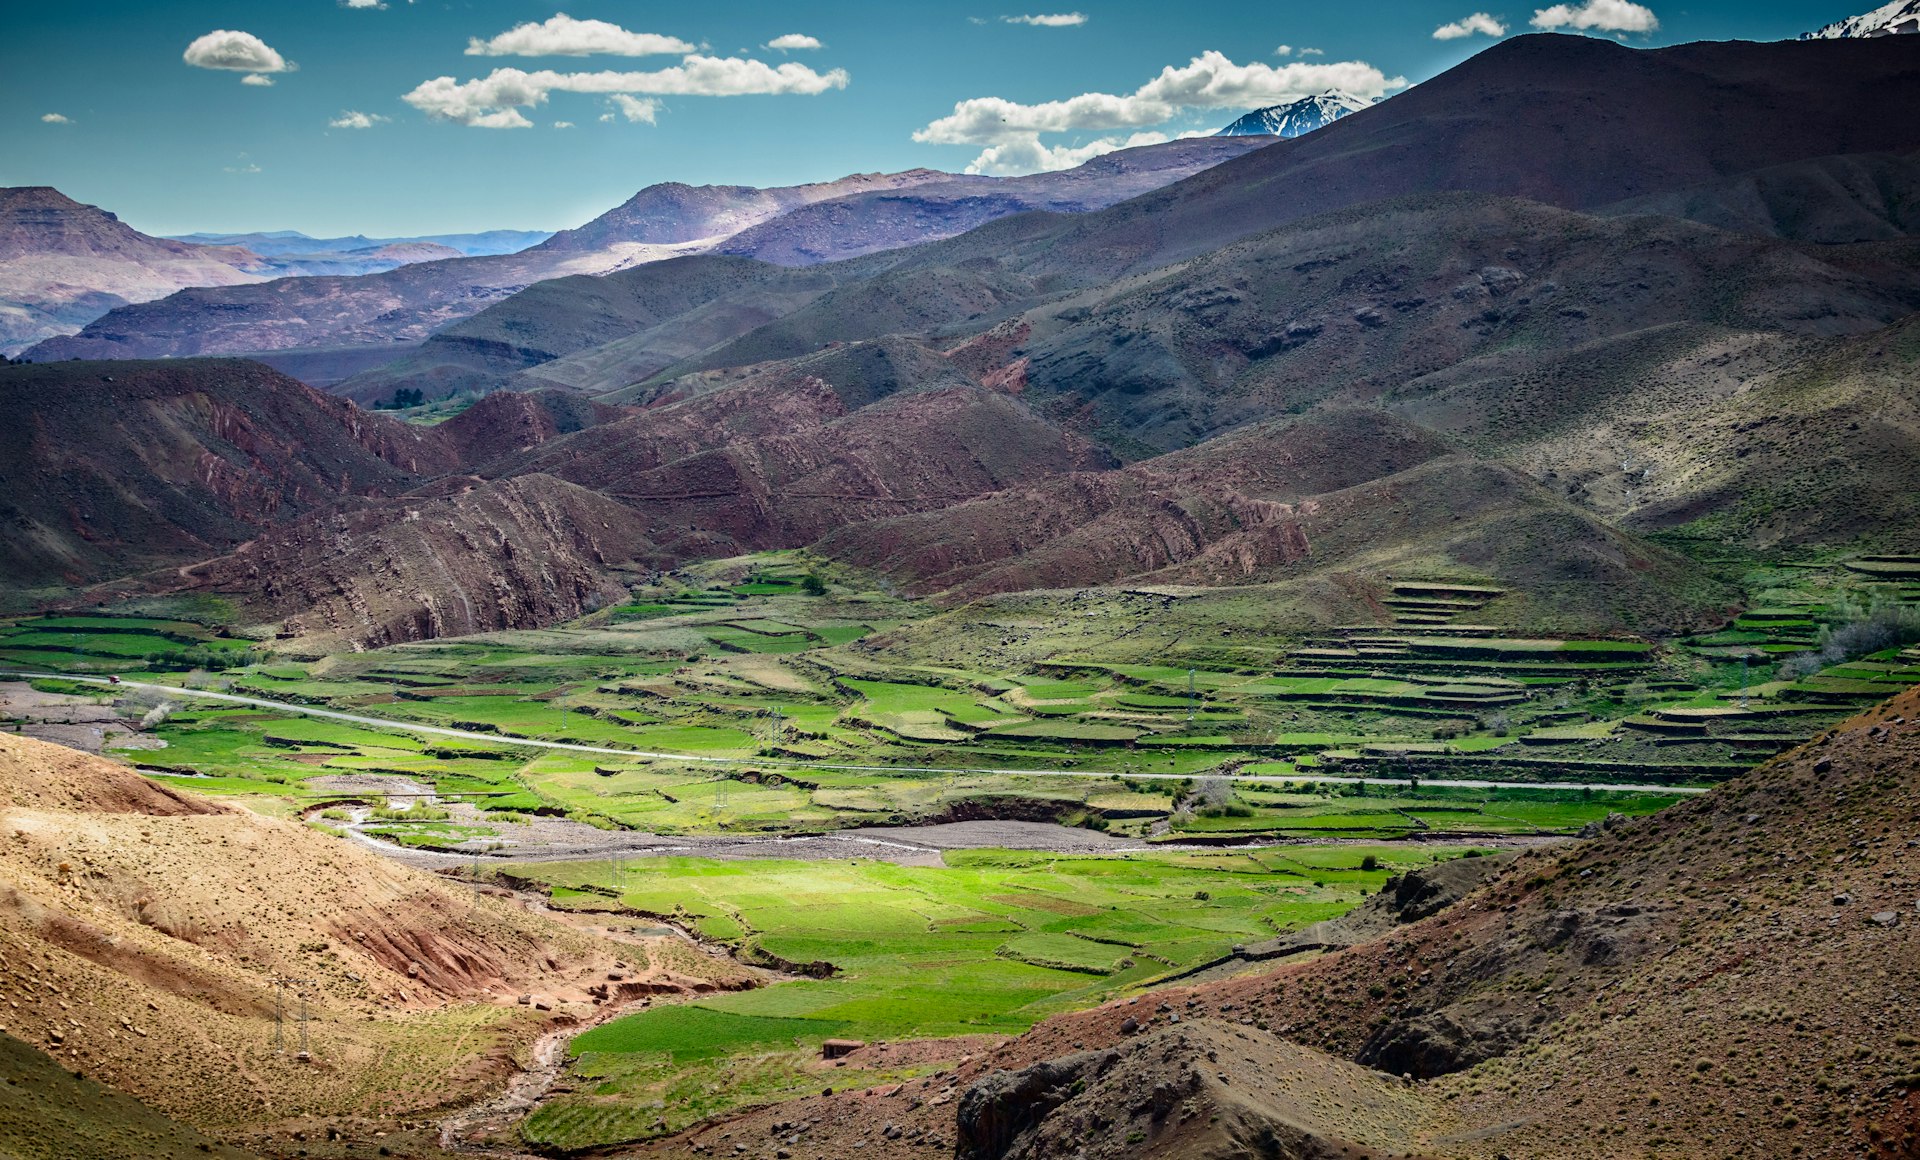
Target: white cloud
1466,26
1313,52
56,118
793,42
235,51
636,109
1051,20
1283,50
349,119
249,167
562,35
361,4
1011,131
563,124
494,101
1029,155
1604,15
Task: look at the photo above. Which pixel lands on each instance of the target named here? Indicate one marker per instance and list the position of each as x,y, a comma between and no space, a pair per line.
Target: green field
991,943
1252,763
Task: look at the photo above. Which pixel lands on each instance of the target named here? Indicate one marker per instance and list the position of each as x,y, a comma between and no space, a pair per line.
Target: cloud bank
562,35
1598,15
1479,23
1011,130
495,100
1053,20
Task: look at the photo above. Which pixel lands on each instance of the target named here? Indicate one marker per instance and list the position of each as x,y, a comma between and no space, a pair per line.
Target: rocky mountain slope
407,304
141,934
1723,110
110,470
1296,117
50,1113
64,264
1830,200
866,223
690,303
1730,977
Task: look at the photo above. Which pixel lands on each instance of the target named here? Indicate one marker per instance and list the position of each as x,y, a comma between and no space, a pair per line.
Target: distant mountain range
285,243
1900,18
347,320
63,264
1427,336
1301,116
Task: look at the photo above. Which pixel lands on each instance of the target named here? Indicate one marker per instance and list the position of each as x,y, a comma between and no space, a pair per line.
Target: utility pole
305,1054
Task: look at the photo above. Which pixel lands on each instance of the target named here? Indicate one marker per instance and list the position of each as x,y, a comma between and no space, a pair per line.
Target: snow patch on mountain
1298,117
1901,17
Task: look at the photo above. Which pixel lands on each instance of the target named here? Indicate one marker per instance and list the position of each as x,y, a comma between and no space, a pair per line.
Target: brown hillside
515,422
50,1113
1248,508
1345,307
1732,977
1858,198
112,468
52,777
921,451
476,557
142,949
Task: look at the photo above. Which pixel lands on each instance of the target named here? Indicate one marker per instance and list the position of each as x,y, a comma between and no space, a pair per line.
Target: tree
812,585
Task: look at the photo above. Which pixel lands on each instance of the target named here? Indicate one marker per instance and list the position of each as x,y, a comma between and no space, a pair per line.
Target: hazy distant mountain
406,304
864,223
1900,18
1301,116
794,225
290,253
282,243
63,264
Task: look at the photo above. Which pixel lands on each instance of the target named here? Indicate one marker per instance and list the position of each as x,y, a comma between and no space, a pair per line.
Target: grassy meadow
988,944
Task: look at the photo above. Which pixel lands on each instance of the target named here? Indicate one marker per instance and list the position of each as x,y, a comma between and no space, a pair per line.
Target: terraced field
813,696
992,943
1256,786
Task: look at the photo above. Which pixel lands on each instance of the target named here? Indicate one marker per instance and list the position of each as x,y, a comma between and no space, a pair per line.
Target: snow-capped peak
1301,116
1901,17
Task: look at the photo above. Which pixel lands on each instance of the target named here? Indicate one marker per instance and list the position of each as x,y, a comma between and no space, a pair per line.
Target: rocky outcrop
997,1112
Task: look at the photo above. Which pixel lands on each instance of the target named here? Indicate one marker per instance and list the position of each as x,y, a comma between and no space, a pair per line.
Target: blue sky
98,97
